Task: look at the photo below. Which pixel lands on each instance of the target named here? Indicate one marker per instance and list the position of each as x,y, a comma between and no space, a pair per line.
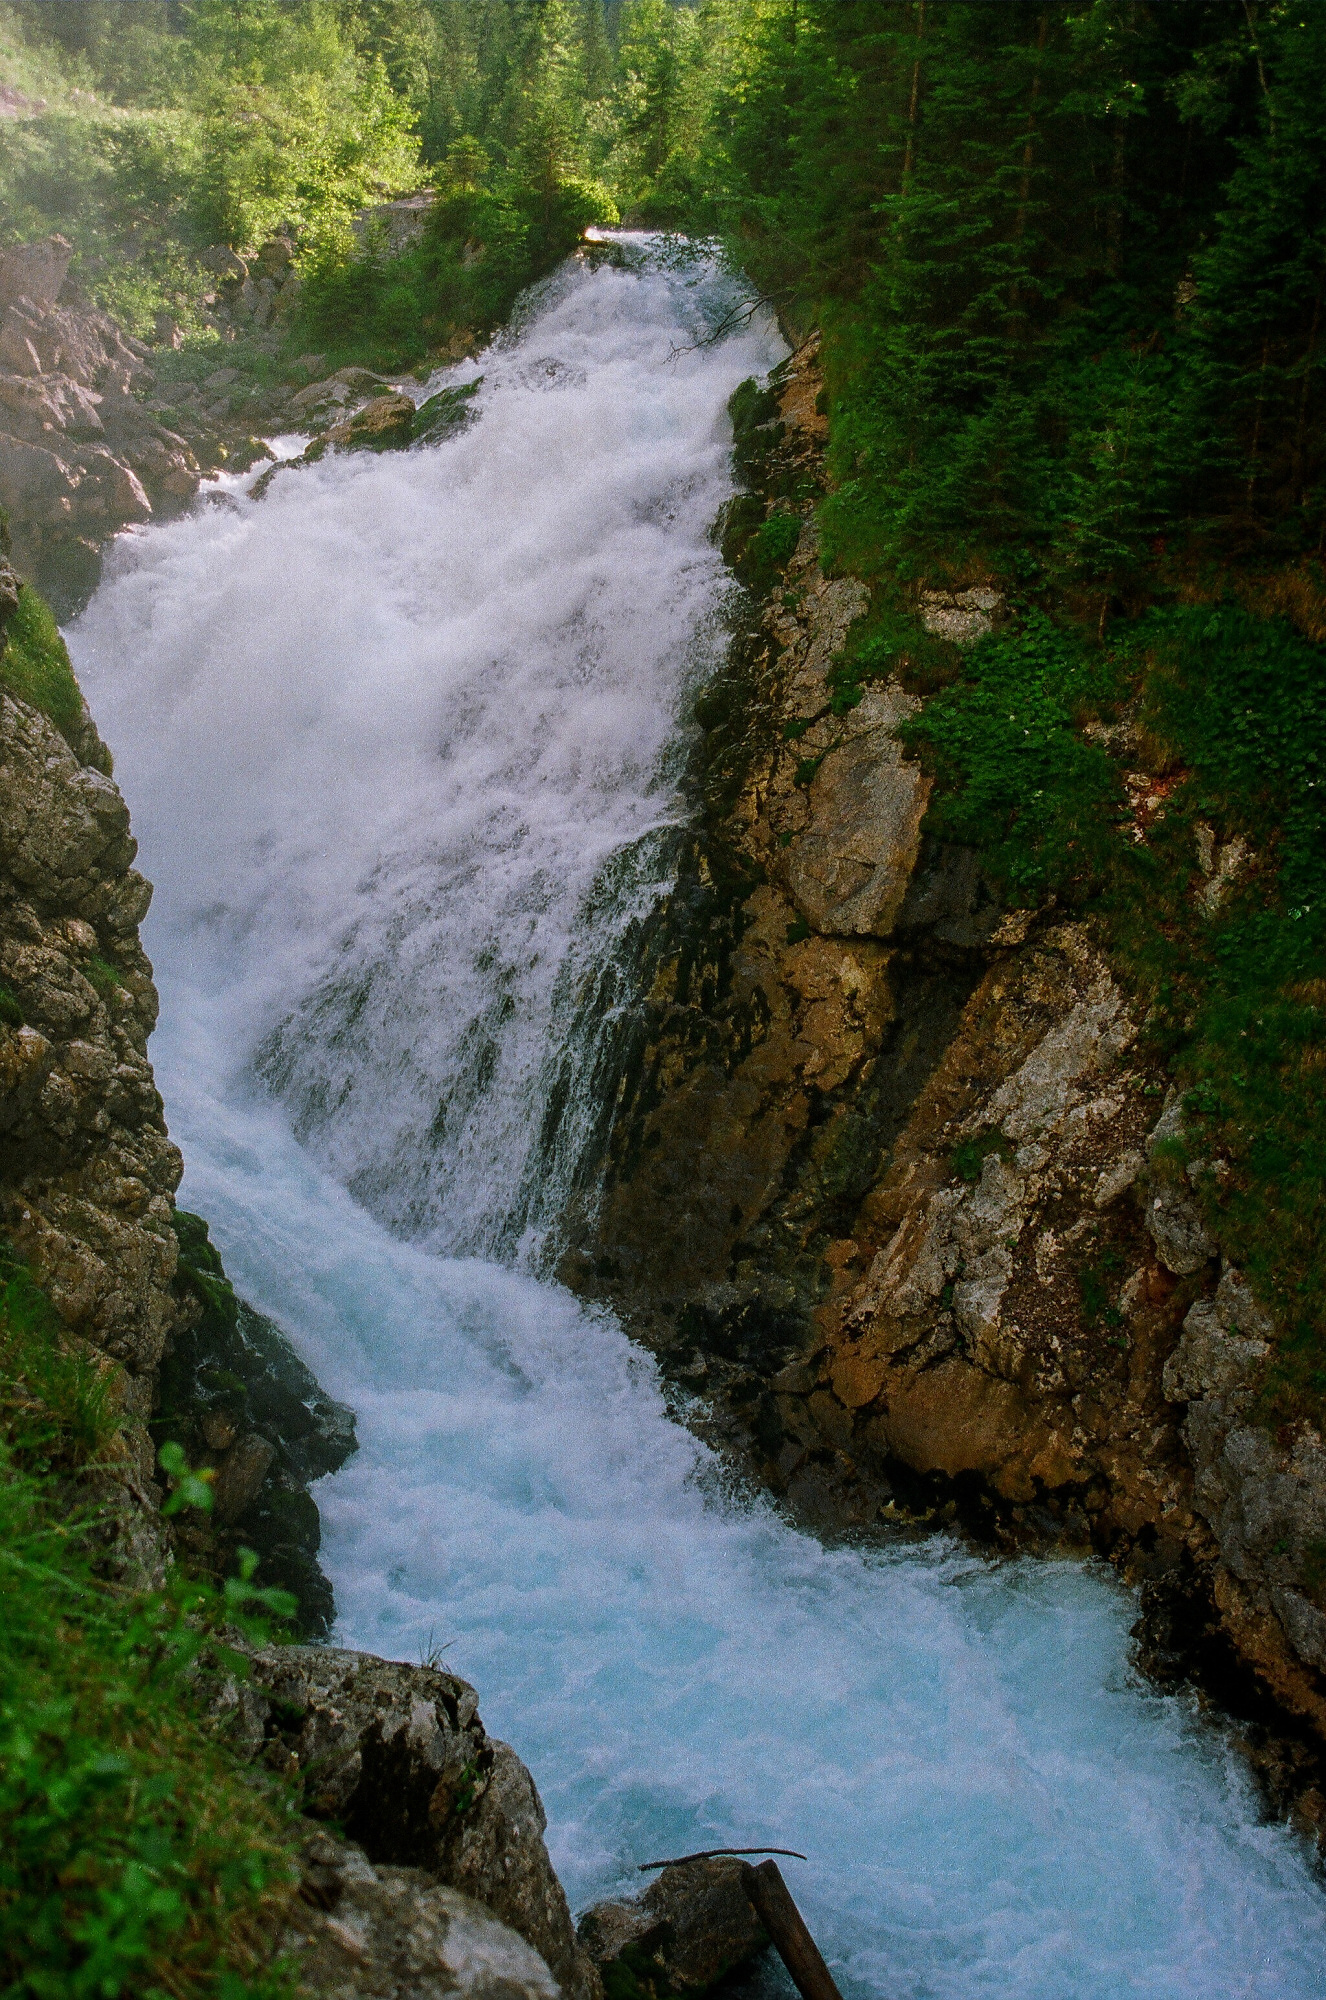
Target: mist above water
399,743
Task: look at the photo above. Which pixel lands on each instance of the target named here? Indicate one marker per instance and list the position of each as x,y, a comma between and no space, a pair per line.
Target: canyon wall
897,1190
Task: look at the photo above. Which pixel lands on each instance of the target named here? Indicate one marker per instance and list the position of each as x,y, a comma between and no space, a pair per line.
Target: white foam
380,734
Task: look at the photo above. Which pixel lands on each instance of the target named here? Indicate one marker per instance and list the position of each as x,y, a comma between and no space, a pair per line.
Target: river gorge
402,741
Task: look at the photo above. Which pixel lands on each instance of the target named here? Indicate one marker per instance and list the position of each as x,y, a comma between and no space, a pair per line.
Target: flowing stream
400,743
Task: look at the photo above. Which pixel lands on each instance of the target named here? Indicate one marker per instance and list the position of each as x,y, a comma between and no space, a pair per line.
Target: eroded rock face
88,1171
365,1933
399,1757
384,424
1261,1492
779,1045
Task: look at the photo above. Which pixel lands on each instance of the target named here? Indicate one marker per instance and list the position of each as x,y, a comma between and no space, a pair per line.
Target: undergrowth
34,663
135,1857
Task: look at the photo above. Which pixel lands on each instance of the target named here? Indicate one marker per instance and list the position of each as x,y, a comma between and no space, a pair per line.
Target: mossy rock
385,424
445,413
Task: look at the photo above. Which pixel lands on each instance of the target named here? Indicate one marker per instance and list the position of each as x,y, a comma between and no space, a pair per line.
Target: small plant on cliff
56,1405
968,1158
1017,780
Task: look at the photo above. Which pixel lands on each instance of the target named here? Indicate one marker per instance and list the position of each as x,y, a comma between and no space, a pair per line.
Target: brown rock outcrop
689,1929
363,1933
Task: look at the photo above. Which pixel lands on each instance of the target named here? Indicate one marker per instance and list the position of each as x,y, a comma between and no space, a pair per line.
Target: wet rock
692,1926
236,1397
365,1933
385,424
398,1756
442,415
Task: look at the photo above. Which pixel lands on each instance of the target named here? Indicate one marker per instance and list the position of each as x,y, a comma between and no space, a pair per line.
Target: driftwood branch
791,1940
712,1853
735,316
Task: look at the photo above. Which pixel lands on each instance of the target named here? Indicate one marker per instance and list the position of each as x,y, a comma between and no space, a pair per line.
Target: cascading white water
397,743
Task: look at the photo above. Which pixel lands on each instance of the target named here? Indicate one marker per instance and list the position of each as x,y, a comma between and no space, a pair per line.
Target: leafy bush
35,663
135,1857
1018,780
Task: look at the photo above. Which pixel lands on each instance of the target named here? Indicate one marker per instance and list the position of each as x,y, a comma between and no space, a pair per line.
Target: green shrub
1017,780
105,977
56,1404
35,663
968,1158
136,1858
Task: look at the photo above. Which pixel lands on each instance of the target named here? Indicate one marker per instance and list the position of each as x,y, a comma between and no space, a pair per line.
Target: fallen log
782,1919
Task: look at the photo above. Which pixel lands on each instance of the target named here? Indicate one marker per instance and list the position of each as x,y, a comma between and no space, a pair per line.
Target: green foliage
1018,780
11,1009
303,152
134,1857
104,976
1095,1282
200,1266
56,1400
1240,994
769,551
1053,396
34,664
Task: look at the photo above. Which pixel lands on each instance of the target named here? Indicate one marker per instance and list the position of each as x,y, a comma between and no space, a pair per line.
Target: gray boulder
365,1933
398,1756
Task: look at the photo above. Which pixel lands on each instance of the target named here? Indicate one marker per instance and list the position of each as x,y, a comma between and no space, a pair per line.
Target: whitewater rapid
400,744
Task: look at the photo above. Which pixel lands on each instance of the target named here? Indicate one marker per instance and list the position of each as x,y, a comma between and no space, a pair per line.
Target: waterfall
401,745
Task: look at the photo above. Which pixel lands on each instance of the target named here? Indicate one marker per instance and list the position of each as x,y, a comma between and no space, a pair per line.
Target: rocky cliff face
92,443
88,1170
80,455
895,1188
